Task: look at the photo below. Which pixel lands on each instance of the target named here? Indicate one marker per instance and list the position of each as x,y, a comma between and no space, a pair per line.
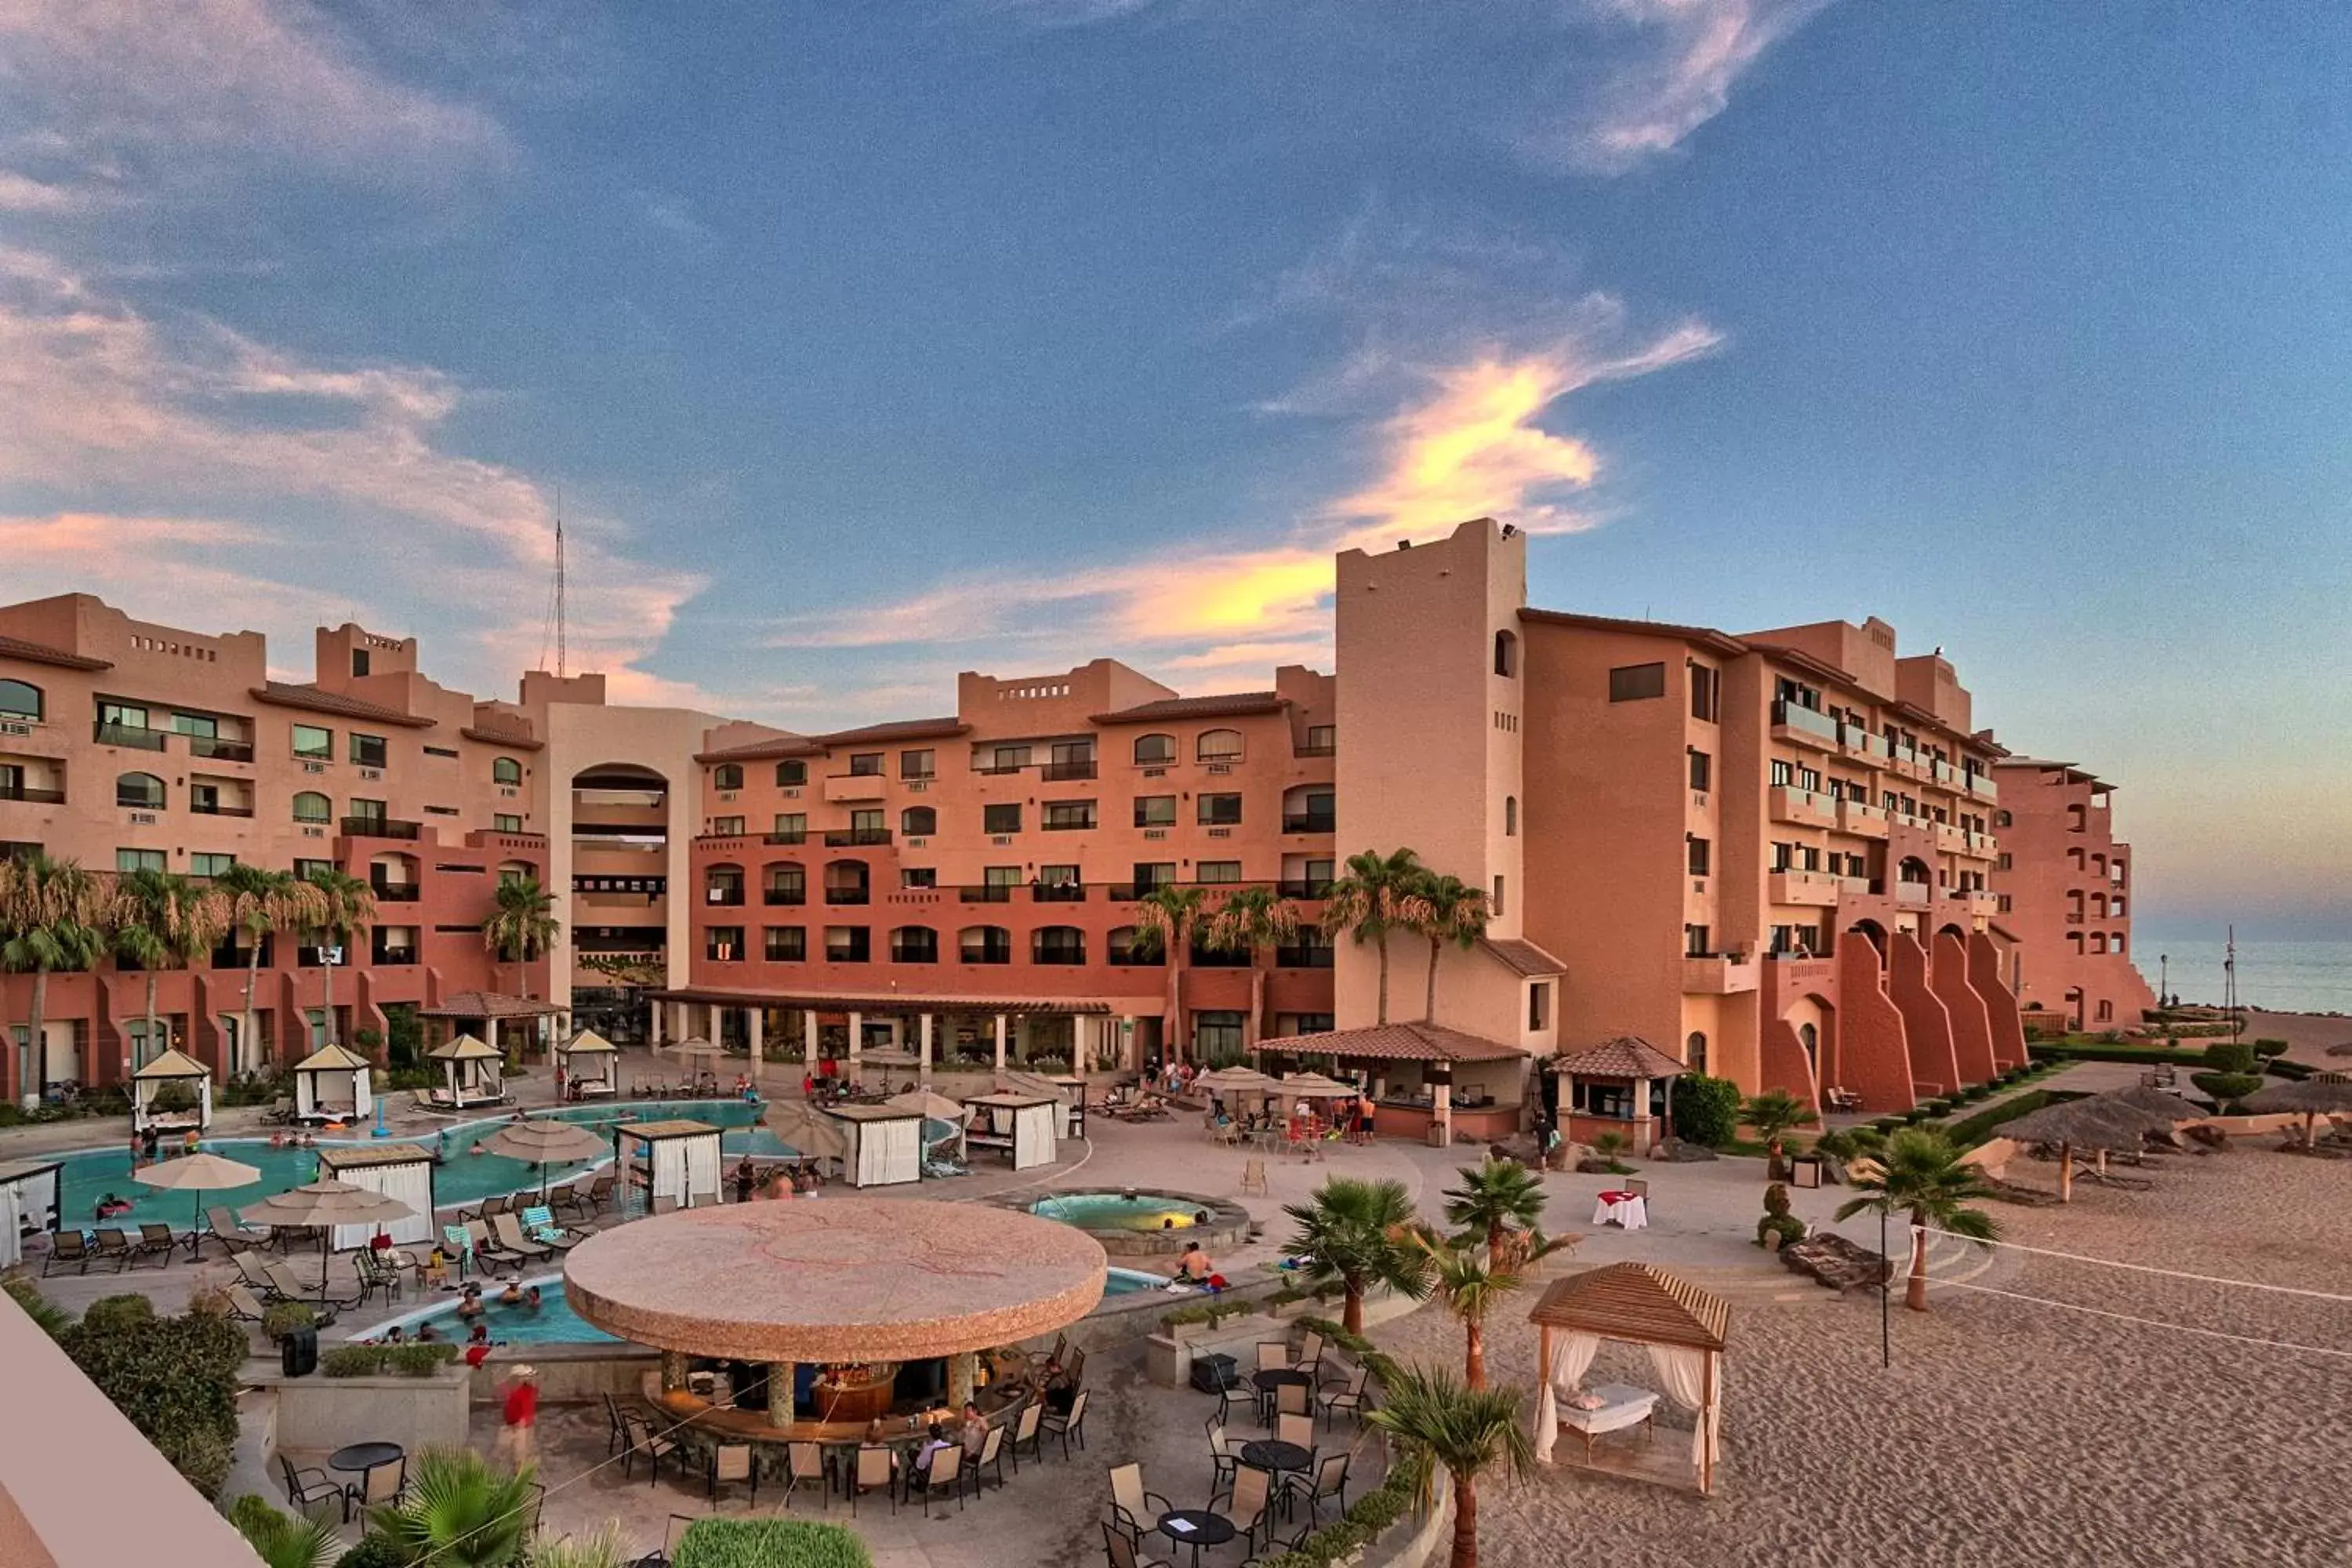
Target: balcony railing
392,957
993,893
1805,722
1717,975
1314,750
991,955
1212,958
800,838
31,796
724,896
1062,955
1057,892
1304,957
785,952
1861,741
776,896
1061,772
848,896
1130,959
219,749
395,892
216,810
131,735
1310,822
1913,892
1309,888
381,828
913,954
856,838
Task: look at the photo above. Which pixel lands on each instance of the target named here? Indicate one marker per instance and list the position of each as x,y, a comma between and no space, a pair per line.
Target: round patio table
1270,1455
357,1458
1196,1528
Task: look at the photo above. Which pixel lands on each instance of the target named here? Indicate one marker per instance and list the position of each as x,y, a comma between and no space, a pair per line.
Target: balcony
1857,741
1719,975
219,749
848,896
988,953
1802,726
1311,750
1943,772
381,828
215,808
1125,892
395,892
1979,845
1057,892
1916,895
778,896
10,790
1860,816
1815,888
856,838
1905,760
1949,837
1061,772
137,738
1310,888
392,957
1131,959
725,895
1858,888
1981,787
1310,822
800,838
1803,806
1215,958
1304,957
1071,957
993,893
855,786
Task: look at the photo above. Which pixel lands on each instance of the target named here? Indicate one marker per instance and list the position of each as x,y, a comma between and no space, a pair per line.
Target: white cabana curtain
412,1184
669,1169
12,1251
1032,1135
1572,1357
1682,1374
701,1170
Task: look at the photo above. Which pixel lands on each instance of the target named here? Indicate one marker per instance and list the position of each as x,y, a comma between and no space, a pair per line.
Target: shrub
1888,1123
54,1320
374,1552
2268,1048
174,1378
1213,1311
1972,1131
768,1543
2225,1087
2229,1056
1777,1217
1706,1110
283,1317
373,1360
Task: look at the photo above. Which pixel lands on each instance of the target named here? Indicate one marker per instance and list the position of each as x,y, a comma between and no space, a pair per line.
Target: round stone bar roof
841,1280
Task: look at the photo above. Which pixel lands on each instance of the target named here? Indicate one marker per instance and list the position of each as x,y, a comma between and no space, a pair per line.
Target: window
919,822
209,865
1699,854
1539,1005
1219,746
1216,1033
1784,856
505,771
1000,820
919,877
1221,810
1495,904
19,700
1783,773
143,791
314,744
723,885
1155,811
786,944
1694,1052
723,944
1153,874
985,944
787,885
865,827
504,822
1071,760
866,764
849,944
726,826
2007,861
1322,740
1057,944
367,751
1218,871
360,661
1006,759
917,764
121,716
1155,751
2002,819
138,860
1057,876
1510,816
1637,682
1696,941
1061,815
792,827
727,775
368,811
791,774
1507,654
914,944
307,870
1702,768
1124,951
1704,684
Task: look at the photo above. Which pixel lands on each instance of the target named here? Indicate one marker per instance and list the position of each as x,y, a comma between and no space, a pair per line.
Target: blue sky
868,344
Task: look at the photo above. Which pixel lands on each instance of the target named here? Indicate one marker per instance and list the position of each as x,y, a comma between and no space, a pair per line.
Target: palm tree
1357,1234
1774,1114
282,1541
1500,1202
261,901
54,917
1445,908
459,1512
523,926
169,921
1371,900
350,906
1922,1173
1436,1422
1472,1285
1165,921
1250,919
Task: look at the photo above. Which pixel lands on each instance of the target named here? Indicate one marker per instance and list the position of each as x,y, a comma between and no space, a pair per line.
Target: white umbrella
807,1130
196,1173
546,1143
324,1206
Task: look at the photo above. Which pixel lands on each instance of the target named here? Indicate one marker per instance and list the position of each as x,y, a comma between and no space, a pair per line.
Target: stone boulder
1832,1262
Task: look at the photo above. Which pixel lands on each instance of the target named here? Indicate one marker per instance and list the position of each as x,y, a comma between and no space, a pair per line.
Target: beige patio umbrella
546,1143
808,1129
2311,1099
322,1205
925,1102
196,1173
2092,1122
1315,1086
1239,1080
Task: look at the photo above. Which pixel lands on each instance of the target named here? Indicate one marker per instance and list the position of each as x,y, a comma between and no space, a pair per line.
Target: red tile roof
41,653
488,1005
1705,637
1523,958
1396,1043
1627,1056
285,694
816,745
518,739
1230,705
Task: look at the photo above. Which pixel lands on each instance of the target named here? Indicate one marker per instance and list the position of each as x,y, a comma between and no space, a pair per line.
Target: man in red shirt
517,1438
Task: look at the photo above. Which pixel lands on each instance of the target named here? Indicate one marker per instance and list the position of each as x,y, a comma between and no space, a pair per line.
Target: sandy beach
2009,1432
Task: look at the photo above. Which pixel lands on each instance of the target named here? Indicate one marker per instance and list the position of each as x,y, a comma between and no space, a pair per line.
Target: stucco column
1126,1043
923,1049
1000,1050
1442,1109
1642,1115
654,1029
755,1025
961,1368
856,1041
672,1371
779,1393
490,1033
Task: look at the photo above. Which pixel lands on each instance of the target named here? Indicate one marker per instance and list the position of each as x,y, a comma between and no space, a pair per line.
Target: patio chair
1077,1369
483,1247
876,1467
1065,1426
539,1223
1346,1395
308,1485
1223,1461
1328,1481
729,1463
645,1443
233,1235
615,1432
376,1272
1120,1551
509,1231
1026,1428
1134,1507
805,1463
113,1242
1292,1399
1299,1429
458,1243
992,1457
1311,1353
1245,1510
945,1473
66,1247
1273,1355
378,1486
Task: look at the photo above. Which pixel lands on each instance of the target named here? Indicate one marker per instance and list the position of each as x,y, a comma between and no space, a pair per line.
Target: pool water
1115,1211
463,1179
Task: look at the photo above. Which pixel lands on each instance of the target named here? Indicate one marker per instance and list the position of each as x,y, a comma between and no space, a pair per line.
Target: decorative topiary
2229,1056
1777,1218
2226,1087
2269,1048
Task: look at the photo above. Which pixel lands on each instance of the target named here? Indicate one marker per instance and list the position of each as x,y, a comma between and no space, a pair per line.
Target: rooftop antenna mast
554,629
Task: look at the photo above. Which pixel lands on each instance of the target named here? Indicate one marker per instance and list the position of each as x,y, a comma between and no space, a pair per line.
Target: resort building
2064,884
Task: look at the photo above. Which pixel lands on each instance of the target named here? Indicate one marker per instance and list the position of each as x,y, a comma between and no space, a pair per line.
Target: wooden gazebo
489,1009
1615,1076
1636,1303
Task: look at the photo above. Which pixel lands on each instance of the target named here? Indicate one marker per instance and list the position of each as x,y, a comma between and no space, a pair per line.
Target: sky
858,345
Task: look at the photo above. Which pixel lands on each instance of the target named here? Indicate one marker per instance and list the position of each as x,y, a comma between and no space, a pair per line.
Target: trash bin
297,1352
1439,1135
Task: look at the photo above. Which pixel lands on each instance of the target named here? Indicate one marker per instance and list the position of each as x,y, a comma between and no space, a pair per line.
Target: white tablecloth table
1630,1213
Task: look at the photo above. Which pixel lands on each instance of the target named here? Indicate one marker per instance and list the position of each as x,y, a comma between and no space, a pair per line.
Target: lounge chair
68,1246
541,1227
155,1241
114,1242
290,1288
485,1250
281,1111
255,1273
490,1207
510,1238
232,1233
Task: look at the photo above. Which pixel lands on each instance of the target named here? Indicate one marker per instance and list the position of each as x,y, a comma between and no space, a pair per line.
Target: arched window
985,944
919,822
1125,948
1219,746
1507,654
144,791
723,885
506,771
846,882
1057,944
1810,1038
1155,751
786,883
312,806
19,700
727,775
1912,870
791,774
914,944
1510,815
1694,1052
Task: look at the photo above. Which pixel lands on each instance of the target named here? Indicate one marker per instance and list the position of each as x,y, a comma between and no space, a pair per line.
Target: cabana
1624,1086
1635,1303
1022,1125
489,1009
1425,1078
591,1066
1067,1087
473,1073
399,1171
28,1204
332,1084
674,1160
884,1145
191,1077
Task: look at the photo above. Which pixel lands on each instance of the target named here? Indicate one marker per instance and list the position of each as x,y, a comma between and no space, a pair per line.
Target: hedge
1369,1516
401,1361
2147,1055
1969,1132
174,1378
768,1543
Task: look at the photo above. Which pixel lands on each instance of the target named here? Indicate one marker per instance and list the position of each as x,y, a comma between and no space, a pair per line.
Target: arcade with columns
929,1035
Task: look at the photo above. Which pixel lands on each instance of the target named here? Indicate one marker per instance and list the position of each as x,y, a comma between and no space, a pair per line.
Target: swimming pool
555,1323
1117,1210
464,1178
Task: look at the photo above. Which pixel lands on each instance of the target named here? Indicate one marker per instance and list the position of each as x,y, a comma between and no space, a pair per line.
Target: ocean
2276,977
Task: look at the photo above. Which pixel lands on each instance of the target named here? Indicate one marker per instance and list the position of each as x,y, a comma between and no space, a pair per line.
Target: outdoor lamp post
2163,980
